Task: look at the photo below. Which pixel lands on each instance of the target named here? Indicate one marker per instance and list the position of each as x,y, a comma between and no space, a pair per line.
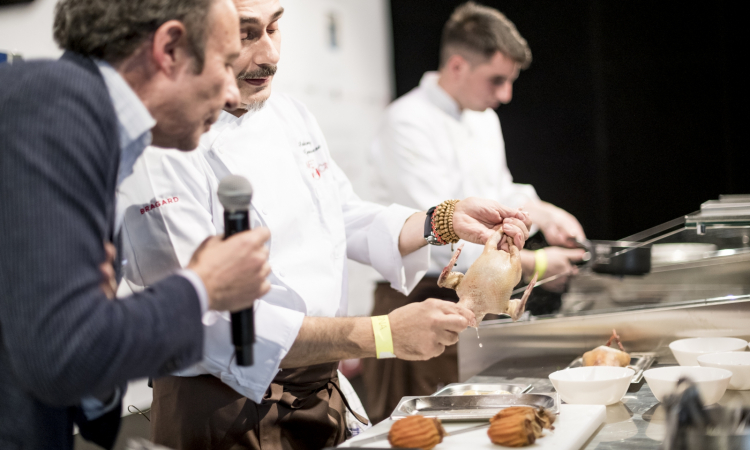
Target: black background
12,2
631,114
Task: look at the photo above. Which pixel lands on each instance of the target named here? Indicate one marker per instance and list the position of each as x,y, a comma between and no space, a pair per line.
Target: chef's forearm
411,238
528,263
328,339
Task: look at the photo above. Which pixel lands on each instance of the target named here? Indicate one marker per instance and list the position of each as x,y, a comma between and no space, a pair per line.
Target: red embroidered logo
317,171
158,204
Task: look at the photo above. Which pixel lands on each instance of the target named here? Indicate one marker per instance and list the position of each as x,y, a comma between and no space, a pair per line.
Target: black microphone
235,194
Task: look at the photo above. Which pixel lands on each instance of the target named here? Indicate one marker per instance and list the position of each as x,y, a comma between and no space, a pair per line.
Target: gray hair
113,30
483,31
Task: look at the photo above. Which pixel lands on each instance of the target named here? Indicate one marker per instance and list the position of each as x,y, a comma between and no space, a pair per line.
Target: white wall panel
347,87
27,29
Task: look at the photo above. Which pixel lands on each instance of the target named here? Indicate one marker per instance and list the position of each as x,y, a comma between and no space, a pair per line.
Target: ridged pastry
416,432
512,431
519,426
544,418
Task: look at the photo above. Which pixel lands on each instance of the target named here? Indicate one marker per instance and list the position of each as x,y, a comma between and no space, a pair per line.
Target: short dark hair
112,30
484,31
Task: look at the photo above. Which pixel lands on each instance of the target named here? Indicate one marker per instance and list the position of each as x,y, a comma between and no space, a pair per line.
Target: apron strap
359,417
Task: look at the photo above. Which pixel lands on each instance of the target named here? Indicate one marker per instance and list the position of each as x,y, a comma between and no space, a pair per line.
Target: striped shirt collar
134,120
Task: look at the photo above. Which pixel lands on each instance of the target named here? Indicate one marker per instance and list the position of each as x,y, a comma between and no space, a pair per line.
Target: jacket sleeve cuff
93,408
199,287
402,272
276,329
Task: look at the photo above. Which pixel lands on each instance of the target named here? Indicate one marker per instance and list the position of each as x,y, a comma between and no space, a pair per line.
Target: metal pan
618,257
470,407
483,389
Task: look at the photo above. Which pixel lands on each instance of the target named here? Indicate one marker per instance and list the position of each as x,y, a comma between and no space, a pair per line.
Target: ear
169,47
457,65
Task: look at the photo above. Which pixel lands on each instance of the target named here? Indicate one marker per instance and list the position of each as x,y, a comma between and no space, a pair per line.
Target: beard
255,105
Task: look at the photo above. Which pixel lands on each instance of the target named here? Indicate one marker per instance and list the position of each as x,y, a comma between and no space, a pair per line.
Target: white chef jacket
315,218
428,150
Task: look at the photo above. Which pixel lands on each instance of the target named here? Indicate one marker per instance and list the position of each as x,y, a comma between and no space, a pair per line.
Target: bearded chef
443,140
290,397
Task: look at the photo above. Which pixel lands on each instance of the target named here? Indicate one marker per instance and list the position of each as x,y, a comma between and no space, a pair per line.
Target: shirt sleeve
276,329
93,408
161,241
372,235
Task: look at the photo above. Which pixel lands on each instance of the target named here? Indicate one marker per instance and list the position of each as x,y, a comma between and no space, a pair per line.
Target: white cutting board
573,427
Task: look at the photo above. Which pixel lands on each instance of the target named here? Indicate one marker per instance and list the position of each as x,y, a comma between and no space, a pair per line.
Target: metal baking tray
639,362
470,407
489,388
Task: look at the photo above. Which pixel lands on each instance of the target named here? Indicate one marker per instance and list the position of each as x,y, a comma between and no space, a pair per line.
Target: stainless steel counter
635,423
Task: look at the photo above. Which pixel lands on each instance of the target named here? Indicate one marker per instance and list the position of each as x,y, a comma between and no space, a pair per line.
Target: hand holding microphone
235,194
234,269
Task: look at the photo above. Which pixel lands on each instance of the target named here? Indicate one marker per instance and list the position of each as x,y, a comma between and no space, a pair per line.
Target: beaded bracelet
442,222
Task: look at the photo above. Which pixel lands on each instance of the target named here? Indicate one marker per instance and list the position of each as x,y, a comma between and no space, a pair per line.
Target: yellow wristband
383,339
540,263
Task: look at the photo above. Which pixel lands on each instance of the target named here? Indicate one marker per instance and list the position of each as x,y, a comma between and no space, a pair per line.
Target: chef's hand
234,271
422,330
559,261
476,219
559,226
107,268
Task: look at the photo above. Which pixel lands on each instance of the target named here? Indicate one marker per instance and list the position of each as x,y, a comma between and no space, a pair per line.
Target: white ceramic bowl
736,362
599,385
711,382
687,351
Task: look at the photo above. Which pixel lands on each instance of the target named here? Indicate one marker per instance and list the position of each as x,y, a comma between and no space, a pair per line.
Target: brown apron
303,409
387,380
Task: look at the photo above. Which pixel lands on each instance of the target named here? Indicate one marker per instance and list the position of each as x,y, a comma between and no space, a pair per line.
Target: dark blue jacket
60,338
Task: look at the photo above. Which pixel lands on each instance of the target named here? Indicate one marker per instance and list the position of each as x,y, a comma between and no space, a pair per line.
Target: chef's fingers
109,283
524,217
110,251
518,226
451,319
516,234
453,308
467,313
574,254
516,230
447,337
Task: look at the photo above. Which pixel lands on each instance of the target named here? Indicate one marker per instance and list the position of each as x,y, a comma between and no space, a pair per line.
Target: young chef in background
443,140
316,223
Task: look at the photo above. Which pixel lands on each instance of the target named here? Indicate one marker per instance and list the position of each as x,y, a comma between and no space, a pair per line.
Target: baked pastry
519,426
416,432
512,431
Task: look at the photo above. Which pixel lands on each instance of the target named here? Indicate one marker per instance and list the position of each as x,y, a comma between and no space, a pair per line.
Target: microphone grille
235,193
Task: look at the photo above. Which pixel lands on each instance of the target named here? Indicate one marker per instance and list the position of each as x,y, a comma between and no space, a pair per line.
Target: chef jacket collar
134,120
438,96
